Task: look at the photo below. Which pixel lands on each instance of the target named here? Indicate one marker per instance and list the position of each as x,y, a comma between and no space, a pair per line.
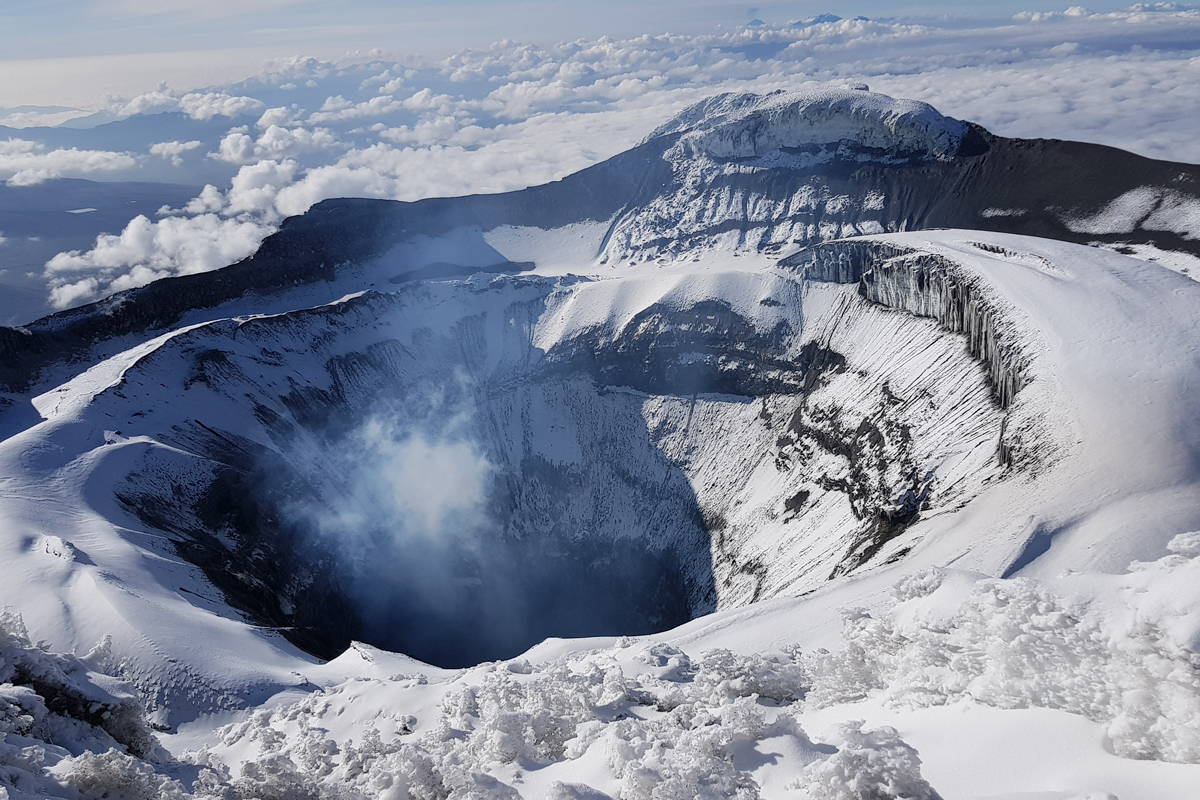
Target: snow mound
1128,663
66,729
647,719
823,124
1152,208
1110,659
636,723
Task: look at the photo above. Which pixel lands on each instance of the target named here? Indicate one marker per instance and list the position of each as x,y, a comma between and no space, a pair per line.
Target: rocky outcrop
705,348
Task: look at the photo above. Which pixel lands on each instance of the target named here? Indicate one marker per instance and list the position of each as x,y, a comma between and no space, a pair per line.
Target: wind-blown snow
1082,656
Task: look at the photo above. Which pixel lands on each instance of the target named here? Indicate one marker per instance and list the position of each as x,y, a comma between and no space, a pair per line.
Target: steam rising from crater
409,510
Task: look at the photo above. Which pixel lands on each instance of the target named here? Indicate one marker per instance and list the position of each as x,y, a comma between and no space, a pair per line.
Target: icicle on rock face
927,285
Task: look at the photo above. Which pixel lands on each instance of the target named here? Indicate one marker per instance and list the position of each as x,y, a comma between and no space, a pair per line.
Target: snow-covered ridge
708,711
1074,661
862,125
1092,356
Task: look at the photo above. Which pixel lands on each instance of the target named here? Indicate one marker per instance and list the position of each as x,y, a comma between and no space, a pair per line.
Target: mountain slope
805,431
667,200
708,393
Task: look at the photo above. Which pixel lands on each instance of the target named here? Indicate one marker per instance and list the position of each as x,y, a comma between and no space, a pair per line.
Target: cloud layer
513,115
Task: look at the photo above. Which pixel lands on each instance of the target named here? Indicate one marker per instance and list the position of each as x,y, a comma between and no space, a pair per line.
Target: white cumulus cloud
197,105
146,251
239,146
24,163
173,151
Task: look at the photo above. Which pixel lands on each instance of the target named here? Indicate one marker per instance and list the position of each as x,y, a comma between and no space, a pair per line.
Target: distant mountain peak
825,122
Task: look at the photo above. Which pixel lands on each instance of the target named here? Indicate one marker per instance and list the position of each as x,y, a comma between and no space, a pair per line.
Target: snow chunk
1186,544
874,763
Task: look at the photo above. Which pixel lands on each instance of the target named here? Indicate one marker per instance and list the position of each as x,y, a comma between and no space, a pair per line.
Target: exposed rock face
705,348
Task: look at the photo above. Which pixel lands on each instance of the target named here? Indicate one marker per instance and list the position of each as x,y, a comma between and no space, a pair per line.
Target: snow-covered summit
854,123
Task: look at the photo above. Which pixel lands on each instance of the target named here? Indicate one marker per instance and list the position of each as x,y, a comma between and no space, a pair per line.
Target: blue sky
71,50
